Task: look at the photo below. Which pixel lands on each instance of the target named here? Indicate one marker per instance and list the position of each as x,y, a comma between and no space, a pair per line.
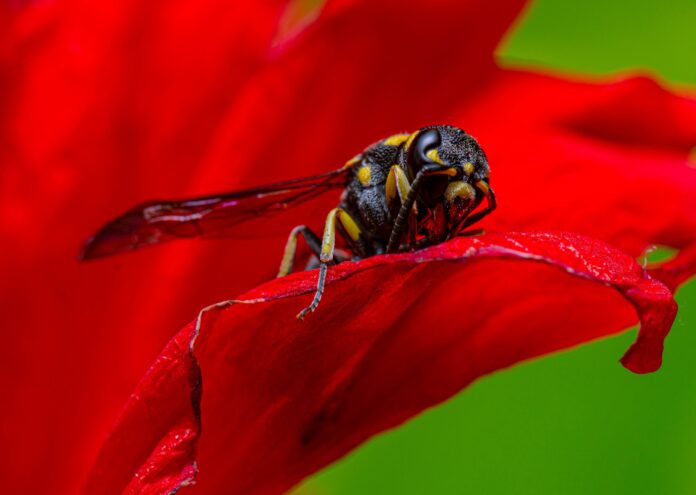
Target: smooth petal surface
393,336
608,160
102,105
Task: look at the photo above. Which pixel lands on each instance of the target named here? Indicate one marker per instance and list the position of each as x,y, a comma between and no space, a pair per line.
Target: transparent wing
155,222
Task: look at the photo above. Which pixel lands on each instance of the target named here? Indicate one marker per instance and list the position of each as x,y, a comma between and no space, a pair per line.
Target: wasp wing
155,222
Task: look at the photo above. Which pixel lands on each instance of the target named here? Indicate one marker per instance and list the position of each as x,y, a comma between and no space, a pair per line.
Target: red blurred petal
102,105
606,160
678,270
393,65
394,335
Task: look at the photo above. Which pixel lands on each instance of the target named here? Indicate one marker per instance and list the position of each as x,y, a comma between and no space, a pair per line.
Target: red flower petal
103,106
393,336
407,67
106,105
607,160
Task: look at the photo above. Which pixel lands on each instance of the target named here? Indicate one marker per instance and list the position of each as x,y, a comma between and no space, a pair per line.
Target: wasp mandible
405,192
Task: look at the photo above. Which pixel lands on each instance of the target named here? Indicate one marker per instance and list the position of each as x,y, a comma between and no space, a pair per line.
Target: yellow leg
397,186
328,248
289,253
485,188
310,238
460,199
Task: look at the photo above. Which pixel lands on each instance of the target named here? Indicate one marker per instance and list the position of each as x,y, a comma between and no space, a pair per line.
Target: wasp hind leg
314,243
328,250
312,240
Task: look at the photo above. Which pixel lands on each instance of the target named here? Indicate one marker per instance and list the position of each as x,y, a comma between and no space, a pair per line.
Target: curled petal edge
677,271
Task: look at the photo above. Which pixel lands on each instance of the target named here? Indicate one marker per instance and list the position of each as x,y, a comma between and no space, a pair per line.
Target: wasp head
452,167
445,150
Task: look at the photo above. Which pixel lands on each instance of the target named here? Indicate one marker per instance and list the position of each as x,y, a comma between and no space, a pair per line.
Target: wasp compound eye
417,156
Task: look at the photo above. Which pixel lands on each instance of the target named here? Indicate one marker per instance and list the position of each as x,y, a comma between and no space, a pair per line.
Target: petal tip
640,362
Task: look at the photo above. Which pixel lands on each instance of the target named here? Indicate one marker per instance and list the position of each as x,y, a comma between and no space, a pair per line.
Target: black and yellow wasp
402,193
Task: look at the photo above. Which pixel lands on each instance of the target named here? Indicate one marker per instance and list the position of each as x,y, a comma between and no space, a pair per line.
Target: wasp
402,193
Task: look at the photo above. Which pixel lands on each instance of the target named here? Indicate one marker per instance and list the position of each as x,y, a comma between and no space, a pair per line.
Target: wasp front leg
310,238
460,200
483,187
328,249
398,187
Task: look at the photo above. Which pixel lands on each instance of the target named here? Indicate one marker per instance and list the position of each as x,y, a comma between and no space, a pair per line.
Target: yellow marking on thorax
364,175
396,139
434,156
353,161
469,168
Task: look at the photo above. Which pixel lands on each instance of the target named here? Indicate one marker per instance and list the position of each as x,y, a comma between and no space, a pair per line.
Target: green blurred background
576,422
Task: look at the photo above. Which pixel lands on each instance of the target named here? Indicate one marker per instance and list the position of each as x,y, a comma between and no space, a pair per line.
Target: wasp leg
485,188
419,244
406,205
472,233
460,200
398,185
310,238
400,222
340,256
328,249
